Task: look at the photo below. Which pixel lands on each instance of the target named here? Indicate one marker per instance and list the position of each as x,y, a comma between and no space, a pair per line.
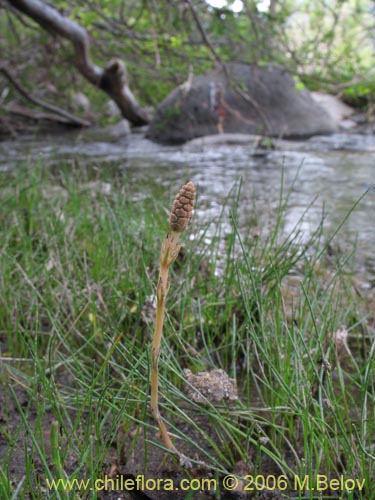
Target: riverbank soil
146,471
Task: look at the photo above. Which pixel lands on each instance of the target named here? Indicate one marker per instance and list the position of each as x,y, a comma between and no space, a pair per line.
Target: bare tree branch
16,109
68,117
112,79
245,95
204,35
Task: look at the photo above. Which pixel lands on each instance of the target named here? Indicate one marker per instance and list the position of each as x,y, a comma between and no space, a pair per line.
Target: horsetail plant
179,218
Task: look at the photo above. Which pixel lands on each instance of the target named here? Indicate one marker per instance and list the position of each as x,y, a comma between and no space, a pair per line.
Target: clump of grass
180,216
77,270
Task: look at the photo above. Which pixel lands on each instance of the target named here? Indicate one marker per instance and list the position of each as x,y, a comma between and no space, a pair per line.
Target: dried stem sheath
170,250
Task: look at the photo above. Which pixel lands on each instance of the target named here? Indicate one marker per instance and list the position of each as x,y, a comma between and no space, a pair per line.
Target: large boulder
338,110
246,99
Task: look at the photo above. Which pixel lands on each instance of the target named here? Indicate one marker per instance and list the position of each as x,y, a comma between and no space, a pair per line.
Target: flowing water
324,175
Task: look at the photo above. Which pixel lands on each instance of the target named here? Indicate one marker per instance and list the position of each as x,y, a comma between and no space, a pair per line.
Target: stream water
327,174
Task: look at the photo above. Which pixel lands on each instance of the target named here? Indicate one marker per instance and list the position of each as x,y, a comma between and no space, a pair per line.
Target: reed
56,457
180,216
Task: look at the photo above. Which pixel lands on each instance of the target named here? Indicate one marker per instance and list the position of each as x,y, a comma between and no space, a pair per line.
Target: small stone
214,386
264,440
339,338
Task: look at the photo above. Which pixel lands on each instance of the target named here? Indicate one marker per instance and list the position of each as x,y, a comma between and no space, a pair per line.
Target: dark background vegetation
327,45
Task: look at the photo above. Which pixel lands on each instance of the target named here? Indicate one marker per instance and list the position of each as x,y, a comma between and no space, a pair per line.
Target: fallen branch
16,109
112,79
67,117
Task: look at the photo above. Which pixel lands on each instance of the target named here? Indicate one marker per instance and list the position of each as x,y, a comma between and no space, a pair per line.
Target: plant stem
56,457
170,250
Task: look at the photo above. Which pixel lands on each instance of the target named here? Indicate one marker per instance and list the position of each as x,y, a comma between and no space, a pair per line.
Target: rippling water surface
327,174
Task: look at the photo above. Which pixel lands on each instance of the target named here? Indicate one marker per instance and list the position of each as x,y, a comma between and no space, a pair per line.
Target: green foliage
328,44
299,85
360,94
